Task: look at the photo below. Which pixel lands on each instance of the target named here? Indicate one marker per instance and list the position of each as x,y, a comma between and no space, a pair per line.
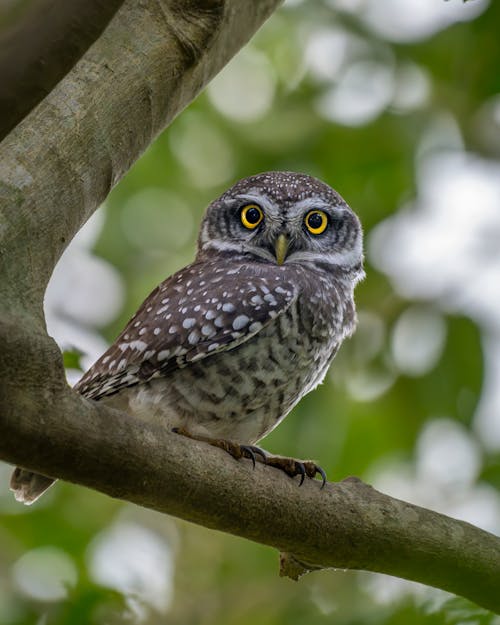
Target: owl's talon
320,471
300,468
290,466
297,467
252,451
248,452
235,450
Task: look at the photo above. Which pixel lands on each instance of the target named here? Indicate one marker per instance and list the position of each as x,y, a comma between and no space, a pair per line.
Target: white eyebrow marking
256,197
312,202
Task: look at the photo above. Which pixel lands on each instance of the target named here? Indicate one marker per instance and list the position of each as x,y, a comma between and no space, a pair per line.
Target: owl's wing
200,311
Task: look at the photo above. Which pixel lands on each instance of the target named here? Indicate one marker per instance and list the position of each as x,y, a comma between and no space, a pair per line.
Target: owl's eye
316,222
251,216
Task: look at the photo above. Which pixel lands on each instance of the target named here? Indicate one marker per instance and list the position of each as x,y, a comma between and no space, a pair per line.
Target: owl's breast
244,392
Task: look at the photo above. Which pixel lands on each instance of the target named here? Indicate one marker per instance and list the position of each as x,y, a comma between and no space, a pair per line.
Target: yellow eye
316,222
251,216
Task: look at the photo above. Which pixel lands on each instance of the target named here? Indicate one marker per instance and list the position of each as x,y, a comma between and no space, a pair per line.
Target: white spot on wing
140,346
219,322
270,299
240,322
208,330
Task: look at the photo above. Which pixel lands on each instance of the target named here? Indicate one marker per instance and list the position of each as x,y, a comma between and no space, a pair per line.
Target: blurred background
397,106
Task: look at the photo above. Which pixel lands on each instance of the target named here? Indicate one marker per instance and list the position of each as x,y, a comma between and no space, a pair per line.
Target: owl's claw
250,451
236,450
300,471
320,471
294,467
290,466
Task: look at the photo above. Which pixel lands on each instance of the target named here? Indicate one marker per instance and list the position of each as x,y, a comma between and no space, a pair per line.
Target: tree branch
345,525
43,55
57,166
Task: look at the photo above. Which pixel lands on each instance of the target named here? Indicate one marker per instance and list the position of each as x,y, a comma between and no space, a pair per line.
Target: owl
222,350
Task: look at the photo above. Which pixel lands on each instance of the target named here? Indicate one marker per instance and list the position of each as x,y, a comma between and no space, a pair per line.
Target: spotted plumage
225,348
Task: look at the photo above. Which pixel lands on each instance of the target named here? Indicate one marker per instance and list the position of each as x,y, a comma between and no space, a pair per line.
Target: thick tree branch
56,167
345,525
61,161
39,44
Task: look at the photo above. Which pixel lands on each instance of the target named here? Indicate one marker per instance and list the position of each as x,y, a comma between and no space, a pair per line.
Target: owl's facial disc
285,218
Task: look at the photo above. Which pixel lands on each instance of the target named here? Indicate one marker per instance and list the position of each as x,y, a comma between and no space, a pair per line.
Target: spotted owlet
223,350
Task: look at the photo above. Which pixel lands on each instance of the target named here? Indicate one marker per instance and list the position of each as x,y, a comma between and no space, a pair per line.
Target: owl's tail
29,486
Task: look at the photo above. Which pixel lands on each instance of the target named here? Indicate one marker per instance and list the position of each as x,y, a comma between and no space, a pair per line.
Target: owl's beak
281,248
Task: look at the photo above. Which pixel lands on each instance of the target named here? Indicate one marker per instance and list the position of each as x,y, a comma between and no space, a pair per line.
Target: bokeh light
397,105
135,561
45,574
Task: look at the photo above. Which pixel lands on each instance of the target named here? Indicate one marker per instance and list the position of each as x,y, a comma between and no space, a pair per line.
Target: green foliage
369,417
72,359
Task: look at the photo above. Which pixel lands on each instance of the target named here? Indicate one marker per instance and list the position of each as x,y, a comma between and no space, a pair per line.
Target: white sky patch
417,340
45,574
414,20
135,561
330,50
85,292
445,246
361,94
447,456
83,287
412,88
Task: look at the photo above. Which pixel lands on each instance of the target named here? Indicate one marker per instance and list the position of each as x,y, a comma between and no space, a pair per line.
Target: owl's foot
236,450
290,466
294,467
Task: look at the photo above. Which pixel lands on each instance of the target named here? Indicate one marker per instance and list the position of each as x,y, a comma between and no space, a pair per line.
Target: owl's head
285,217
